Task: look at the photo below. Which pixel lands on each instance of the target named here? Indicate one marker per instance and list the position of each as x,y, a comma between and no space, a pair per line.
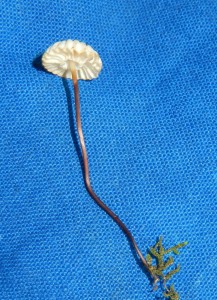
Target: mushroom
76,60
72,59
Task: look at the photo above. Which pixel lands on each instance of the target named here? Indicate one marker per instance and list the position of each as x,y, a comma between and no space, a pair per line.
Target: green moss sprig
157,253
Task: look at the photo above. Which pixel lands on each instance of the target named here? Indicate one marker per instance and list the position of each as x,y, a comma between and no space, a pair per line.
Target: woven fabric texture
150,125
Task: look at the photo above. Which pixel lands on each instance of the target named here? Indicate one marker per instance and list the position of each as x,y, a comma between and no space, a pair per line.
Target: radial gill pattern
64,56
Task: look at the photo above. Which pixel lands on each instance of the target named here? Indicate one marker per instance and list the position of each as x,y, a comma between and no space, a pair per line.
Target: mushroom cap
64,56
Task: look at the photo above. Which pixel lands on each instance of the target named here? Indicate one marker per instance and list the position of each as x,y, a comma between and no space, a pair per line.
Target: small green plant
158,253
171,293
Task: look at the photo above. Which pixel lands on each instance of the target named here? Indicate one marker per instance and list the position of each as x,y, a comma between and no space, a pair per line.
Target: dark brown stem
87,179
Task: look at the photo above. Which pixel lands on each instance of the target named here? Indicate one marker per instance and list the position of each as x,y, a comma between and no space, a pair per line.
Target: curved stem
87,179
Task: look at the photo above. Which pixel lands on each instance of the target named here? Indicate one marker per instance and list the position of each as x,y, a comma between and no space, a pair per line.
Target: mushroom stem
88,184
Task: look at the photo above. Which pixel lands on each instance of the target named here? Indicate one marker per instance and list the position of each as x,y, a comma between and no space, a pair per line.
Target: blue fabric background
150,123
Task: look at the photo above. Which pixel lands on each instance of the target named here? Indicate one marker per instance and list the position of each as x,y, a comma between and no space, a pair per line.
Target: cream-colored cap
64,56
